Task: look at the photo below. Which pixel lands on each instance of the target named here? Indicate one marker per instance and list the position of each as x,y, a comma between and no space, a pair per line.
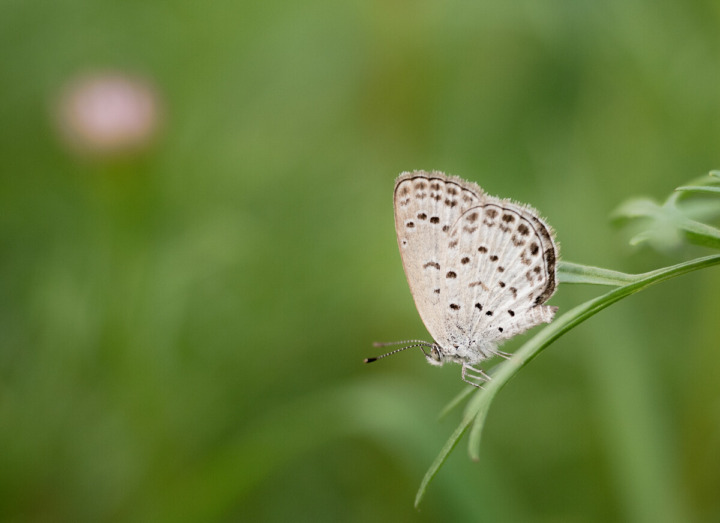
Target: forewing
427,206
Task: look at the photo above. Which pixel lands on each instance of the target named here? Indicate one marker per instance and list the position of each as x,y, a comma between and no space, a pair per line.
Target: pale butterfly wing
427,205
479,268
501,260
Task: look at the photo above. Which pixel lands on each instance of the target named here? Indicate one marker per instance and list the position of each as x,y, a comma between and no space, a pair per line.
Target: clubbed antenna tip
413,343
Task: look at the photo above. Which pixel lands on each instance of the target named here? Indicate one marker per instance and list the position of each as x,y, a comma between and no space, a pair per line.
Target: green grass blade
478,425
700,233
690,188
440,459
479,405
569,272
464,393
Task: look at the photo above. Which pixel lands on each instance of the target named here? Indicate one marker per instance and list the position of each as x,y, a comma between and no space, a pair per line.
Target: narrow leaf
477,427
440,459
569,272
701,233
700,189
464,393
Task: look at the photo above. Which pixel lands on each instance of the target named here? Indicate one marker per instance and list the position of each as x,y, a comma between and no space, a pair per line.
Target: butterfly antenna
389,343
413,343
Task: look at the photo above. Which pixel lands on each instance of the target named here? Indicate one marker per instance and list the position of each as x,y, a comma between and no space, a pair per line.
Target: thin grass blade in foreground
698,189
478,406
569,272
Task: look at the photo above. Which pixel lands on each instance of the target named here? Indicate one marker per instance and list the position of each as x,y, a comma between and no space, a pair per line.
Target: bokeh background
186,300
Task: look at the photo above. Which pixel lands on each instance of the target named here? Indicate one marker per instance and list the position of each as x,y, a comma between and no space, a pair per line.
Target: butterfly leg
471,373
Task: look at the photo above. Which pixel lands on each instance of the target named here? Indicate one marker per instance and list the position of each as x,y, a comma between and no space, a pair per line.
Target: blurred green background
182,327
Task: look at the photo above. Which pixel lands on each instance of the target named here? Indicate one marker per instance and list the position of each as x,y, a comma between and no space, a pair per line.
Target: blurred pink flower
108,113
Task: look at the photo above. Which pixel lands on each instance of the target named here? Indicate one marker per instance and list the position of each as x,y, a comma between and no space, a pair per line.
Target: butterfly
480,268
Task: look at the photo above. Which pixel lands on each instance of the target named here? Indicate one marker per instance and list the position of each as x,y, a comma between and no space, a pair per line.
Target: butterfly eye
435,353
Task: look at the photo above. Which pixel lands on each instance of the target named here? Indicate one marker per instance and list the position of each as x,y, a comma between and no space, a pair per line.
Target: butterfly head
435,355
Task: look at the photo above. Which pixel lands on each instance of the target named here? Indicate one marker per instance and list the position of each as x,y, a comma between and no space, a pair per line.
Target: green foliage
666,226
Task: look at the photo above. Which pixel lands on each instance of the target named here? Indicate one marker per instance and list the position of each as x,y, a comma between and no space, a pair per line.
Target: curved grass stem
479,404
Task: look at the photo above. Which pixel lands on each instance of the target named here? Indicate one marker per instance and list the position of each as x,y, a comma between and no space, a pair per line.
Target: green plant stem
569,272
691,188
478,406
